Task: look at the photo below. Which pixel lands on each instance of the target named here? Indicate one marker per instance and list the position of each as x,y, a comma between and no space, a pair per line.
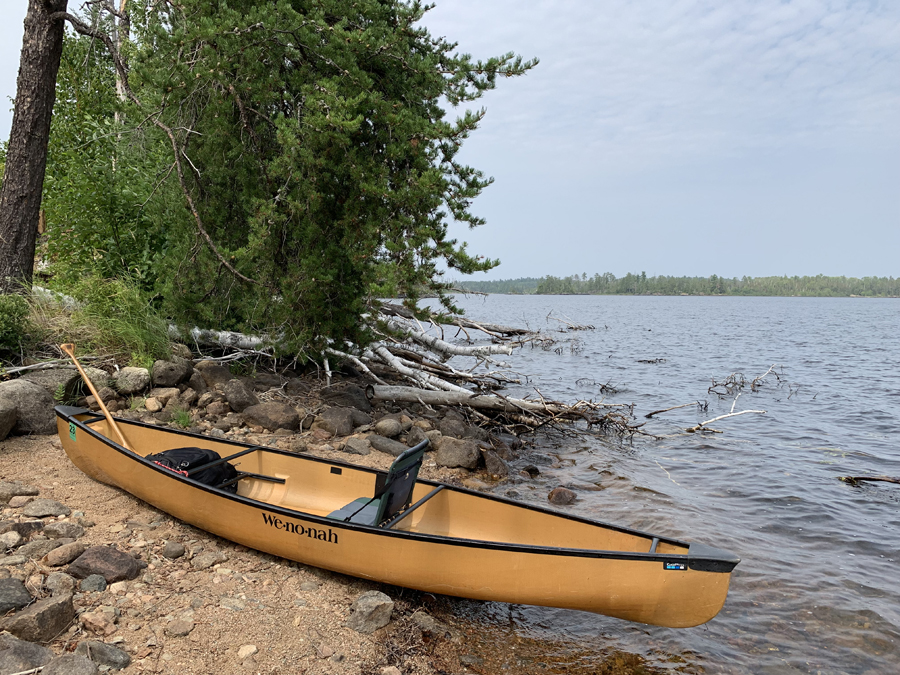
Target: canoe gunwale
699,557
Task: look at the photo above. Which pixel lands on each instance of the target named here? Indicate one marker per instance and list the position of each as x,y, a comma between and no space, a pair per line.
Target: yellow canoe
440,539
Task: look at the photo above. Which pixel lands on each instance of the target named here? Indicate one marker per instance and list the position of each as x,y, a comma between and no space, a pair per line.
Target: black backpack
185,460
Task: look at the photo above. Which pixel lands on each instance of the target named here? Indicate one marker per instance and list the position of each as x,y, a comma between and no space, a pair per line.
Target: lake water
818,590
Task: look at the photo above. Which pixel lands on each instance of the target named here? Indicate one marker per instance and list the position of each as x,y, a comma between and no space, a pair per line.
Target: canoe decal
675,566
72,430
295,528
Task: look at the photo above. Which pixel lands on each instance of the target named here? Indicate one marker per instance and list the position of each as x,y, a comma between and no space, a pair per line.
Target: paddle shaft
70,350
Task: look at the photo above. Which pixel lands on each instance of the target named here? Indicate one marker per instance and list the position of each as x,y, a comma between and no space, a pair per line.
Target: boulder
113,564
33,405
452,452
360,418
239,397
164,394
213,373
13,595
103,654
171,373
453,428
561,496
197,383
336,421
387,445
357,446
388,427
495,464
70,664
18,656
8,418
63,555
43,621
347,395
272,415
41,508
371,611
59,382
414,436
131,380
63,530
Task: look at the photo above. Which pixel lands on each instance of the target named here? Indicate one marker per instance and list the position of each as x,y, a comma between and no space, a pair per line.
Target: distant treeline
640,284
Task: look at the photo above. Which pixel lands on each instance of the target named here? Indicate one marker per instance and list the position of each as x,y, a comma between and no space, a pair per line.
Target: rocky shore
92,579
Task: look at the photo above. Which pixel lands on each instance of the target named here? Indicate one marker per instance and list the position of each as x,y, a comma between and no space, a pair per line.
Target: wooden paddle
70,350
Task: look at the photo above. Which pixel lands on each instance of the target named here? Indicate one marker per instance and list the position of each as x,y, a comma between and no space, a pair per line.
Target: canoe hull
636,587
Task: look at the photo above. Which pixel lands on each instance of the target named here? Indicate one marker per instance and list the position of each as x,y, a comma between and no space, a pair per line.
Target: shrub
13,320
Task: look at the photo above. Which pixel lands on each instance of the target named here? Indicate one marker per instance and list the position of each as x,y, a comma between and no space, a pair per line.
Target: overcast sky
747,137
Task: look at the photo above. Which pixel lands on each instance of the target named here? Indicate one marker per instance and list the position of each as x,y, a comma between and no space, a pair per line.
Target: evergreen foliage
641,284
315,150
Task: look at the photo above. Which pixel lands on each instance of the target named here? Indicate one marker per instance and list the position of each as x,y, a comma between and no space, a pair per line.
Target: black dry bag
185,460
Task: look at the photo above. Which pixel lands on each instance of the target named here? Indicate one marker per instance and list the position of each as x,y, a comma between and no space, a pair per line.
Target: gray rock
41,508
12,560
209,397
38,549
55,380
188,397
391,447
197,383
359,418
173,550
171,373
337,421
113,564
272,415
93,583
453,428
43,621
207,560
70,664
494,464
63,530
453,452
13,595
371,611
103,654
63,555
238,396
234,604
561,496
388,427
23,527
17,655
213,374
163,394
8,418
10,540
357,446
9,490
426,623
33,404
59,583
347,395
415,436
131,380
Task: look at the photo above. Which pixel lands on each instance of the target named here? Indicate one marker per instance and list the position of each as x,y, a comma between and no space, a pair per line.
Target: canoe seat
393,497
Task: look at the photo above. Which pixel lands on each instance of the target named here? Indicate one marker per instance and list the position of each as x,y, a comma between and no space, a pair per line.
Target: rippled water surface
818,590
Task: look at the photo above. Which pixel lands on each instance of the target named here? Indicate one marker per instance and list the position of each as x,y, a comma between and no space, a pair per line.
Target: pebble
41,508
173,550
19,501
93,582
179,627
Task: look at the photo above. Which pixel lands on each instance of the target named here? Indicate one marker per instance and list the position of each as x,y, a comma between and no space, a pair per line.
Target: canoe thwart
245,474
222,460
396,519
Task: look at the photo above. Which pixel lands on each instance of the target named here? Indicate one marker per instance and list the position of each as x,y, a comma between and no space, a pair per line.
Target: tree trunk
26,156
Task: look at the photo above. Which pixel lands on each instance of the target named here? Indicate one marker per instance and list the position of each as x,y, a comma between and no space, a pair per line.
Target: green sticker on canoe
72,430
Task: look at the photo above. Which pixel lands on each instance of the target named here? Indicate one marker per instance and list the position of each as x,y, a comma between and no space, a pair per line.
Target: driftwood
856,480
702,425
532,414
674,407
